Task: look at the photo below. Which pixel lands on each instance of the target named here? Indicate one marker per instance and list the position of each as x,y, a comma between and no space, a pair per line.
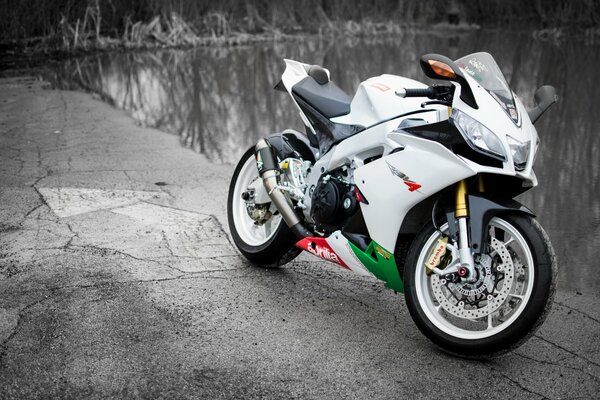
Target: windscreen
483,68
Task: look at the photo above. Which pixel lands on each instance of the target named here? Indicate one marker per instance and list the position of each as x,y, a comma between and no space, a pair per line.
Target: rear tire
268,244
523,274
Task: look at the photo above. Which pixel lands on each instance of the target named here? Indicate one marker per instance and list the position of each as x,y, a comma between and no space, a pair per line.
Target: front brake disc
449,294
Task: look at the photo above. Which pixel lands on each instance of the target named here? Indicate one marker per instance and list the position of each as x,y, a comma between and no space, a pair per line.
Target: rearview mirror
544,98
436,66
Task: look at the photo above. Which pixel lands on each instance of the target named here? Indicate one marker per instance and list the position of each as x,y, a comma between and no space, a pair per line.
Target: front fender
482,210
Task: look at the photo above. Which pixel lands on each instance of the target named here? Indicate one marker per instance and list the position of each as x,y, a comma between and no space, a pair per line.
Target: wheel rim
479,317
250,232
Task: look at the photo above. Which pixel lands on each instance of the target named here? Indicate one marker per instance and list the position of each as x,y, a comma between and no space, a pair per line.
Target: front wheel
510,298
258,230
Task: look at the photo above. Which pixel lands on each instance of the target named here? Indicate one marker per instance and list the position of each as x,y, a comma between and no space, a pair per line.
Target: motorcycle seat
322,94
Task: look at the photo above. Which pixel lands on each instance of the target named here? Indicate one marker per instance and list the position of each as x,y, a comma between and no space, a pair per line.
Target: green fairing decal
380,263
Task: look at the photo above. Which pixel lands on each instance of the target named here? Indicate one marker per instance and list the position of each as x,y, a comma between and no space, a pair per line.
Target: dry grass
74,25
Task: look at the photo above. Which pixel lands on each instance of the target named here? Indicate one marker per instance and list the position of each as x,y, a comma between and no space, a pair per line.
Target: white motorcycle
412,184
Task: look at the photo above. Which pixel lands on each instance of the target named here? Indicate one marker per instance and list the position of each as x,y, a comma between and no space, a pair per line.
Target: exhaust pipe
268,170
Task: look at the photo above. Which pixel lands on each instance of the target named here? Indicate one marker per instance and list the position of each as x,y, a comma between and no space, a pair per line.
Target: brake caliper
436,255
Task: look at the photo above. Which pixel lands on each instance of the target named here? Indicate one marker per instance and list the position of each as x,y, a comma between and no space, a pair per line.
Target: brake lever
442,102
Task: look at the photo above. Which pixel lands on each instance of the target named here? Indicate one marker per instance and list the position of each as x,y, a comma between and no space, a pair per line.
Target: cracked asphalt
118,279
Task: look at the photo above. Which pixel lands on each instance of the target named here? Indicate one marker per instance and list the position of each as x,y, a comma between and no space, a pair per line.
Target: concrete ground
118,279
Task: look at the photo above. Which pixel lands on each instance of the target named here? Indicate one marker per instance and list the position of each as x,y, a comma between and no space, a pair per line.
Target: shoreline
27,53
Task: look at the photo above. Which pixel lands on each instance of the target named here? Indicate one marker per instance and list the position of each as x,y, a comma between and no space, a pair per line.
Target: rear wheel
257,230
512,294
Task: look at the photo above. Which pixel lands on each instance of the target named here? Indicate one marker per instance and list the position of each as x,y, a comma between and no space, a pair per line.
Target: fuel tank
376,100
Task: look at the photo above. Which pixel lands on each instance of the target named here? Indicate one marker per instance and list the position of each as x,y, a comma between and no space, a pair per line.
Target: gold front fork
461,196
461,200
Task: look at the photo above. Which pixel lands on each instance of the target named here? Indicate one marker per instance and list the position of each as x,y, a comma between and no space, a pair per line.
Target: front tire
515,292
268,242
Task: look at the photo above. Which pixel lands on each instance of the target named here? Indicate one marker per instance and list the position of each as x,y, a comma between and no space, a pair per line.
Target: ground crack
555,364
181,277
32,211
164,237
97,248
517,383
74,235
220,226
4,345
567,350
578,311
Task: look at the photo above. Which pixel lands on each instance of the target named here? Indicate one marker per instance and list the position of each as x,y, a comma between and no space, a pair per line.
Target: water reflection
220,102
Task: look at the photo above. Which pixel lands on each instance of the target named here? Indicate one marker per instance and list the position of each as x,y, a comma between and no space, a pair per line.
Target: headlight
478,135
519,151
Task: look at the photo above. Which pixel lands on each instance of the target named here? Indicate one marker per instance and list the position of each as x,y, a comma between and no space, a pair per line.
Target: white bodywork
340,245
424,162
376,101
382,175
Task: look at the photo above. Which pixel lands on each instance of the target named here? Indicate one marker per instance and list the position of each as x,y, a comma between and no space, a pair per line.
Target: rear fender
292,144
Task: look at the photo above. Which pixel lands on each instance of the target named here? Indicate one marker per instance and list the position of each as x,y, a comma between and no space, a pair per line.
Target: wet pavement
118,279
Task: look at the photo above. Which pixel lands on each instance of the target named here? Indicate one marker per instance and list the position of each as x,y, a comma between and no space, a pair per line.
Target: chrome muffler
268,170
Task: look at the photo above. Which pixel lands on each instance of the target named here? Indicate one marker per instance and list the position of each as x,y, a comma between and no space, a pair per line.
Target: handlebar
428,92
439,94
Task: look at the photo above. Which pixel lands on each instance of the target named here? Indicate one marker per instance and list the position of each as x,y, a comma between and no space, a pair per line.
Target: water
220,102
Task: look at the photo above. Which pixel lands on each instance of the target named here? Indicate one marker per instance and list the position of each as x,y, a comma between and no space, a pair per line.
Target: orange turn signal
442,69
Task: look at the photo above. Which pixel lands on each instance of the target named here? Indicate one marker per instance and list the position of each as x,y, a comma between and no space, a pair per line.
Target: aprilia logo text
320,248
323,252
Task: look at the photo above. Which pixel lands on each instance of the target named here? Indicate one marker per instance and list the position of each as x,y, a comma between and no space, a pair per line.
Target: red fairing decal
412,186
380,86
320,248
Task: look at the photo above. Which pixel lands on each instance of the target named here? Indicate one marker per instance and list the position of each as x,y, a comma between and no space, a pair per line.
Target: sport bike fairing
410,169
375,102
414,185
504,128
409,176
